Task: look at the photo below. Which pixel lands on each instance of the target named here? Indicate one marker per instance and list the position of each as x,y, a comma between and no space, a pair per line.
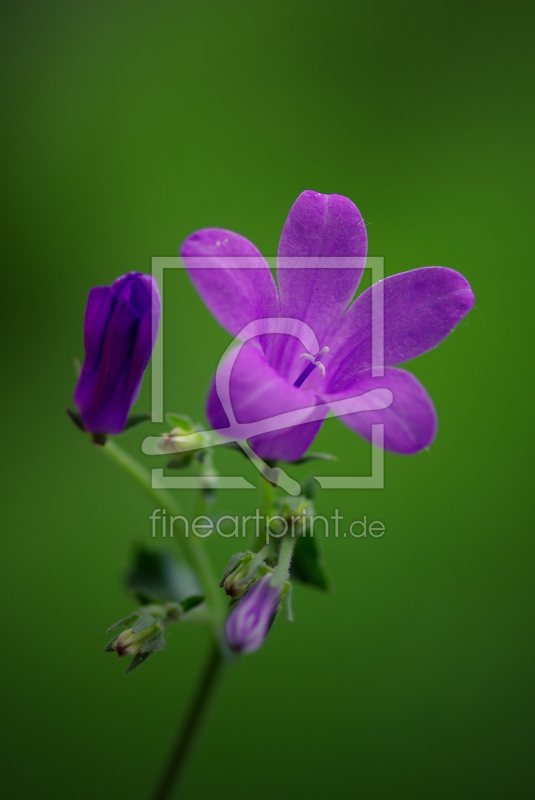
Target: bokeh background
125,126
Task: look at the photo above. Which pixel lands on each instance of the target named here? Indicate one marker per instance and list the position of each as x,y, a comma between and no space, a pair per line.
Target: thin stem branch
191,548
177,760
265,502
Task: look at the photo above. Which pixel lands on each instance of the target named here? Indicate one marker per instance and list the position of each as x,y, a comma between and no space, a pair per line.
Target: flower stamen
314,362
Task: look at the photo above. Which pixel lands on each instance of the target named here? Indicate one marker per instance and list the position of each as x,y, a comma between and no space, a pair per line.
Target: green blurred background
125,127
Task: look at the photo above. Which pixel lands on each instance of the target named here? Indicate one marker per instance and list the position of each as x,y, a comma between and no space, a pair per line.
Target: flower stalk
186,735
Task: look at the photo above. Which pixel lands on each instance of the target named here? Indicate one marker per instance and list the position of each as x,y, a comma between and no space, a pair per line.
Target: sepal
314,457
180,461
242,571
136,419
137,661
76,418
157,642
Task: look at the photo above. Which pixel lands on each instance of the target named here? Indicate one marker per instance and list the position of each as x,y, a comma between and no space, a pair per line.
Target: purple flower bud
120,327
249,623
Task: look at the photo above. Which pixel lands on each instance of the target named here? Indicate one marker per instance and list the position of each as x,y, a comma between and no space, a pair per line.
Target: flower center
315,361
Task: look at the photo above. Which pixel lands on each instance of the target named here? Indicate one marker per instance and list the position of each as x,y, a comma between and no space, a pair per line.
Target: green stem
265,507
282,570
266,491
177,760
191,548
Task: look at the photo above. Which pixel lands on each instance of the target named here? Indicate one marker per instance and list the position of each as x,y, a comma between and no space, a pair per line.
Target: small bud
247,626
180,440
129,643
239,575
121,322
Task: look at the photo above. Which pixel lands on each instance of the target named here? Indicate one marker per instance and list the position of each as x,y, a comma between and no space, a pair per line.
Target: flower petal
231,276
248,625
257,393
410,422
421,308
143,346
100,400
100,303
320,232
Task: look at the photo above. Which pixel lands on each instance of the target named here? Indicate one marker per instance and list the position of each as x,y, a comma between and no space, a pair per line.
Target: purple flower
269,377
249,624
120,327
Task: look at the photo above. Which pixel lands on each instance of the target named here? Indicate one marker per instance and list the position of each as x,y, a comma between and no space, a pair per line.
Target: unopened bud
180,440
249,624
129,643
239,576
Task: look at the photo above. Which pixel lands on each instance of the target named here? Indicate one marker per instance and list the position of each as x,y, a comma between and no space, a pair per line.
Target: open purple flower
249,623
120,327
325,233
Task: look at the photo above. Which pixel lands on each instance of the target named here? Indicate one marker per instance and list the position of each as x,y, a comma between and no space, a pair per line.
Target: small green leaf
157,575
137,661
307,564
144,621
126,622
192,602
178,421
137,419
315,457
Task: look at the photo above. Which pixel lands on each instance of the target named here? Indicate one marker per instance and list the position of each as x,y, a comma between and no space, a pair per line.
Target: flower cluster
321,258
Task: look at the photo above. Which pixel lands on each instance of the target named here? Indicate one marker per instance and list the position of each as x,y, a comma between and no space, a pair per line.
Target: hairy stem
282,570
186,734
